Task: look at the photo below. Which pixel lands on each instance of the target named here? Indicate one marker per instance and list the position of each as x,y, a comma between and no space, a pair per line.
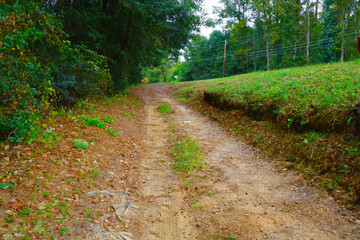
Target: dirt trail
240,192
161,196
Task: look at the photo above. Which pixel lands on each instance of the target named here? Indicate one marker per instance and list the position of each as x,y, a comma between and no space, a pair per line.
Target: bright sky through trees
208,6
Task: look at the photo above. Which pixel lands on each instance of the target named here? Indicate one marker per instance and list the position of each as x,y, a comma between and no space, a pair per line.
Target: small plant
129,114
136,102
109,119
181,99
7,185
63,230
165,109
25,212
230,237
188,155
87,120
49,138
172,129
211,194
196,203
112,132
81,144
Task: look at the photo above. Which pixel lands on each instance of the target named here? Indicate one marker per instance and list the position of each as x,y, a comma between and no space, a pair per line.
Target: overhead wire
280,50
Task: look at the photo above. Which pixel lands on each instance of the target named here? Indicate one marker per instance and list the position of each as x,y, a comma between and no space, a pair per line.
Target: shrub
40,69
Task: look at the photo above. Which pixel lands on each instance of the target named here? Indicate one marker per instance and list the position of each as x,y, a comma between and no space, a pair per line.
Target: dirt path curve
240,192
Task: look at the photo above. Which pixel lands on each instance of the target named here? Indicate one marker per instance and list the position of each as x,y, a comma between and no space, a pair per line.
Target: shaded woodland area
54,53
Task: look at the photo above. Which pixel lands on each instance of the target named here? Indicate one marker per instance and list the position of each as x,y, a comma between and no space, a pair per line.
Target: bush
40,69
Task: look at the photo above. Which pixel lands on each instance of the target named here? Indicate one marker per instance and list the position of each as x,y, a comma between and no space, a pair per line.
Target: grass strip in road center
188,155
165,109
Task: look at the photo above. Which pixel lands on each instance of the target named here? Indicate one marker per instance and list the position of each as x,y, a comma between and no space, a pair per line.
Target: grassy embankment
307,118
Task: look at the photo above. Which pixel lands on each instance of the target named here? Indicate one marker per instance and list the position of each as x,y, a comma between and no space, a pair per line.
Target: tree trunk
355,18
104,5
308,32
343,37
316,9
295,49
267,51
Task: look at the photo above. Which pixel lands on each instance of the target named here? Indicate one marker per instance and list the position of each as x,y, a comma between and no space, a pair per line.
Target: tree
133,34
330,30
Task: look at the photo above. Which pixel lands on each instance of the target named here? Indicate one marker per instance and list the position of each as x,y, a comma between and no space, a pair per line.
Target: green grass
165,109
302,117
188,155
91,121
319,97
78,143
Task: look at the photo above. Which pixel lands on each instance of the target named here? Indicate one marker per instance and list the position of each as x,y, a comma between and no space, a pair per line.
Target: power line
277,51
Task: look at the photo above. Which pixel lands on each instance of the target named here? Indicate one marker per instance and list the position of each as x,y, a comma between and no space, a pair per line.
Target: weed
230,237
49,138
109,119
7,185
196,204
188,155
165,109
172,129
81,144
63,230
112,132
90,121
136,102
129,114
211,193
25,212
181,99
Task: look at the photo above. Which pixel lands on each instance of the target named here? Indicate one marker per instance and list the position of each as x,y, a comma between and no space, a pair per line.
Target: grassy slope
302,116
317,97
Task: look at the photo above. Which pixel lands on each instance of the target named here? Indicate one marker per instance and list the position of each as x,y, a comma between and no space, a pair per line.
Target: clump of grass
109,119
165,109
188,155
81,144
91,121
181,99
172,129
129,114
112,131
196,204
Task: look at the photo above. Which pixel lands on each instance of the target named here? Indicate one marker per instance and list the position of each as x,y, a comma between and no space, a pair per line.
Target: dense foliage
53,53
40,69
131,34
264,35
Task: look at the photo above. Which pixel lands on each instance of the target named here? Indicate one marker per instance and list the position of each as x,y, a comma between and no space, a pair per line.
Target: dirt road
241,194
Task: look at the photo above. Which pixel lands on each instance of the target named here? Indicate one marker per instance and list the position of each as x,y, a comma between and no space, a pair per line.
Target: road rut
241,193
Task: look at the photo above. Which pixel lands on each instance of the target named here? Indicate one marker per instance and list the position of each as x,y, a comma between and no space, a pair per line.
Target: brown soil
240,193
63,175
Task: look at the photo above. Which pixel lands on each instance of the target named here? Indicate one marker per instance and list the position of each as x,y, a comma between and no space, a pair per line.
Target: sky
208,7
